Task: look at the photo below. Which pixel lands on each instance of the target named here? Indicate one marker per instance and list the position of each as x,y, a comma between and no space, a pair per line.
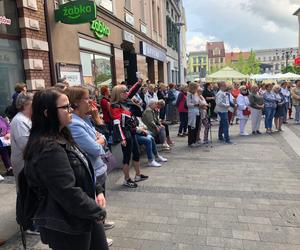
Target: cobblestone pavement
244,196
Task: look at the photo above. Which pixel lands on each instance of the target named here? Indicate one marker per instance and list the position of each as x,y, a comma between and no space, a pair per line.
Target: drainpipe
49,39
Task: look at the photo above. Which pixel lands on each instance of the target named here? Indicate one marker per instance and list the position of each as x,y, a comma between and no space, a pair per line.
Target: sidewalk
243,196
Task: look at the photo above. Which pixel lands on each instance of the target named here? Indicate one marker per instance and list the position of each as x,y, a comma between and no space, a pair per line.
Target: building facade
233,57
24,51
274,60
126,37
198,65
216,55
297,13
174,26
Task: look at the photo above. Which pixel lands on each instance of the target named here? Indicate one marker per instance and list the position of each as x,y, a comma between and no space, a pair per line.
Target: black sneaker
129,183
9,172
253,133
140,177
258,132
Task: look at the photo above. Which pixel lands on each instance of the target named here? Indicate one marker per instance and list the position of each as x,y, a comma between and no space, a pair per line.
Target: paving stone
224,242
245,235
252,219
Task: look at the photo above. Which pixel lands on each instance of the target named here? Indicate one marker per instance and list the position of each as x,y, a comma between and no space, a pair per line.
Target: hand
101,140
100,199
7,136
158,129
124,143
145,131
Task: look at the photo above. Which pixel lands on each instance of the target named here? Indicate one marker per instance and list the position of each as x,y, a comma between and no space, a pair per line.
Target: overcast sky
242,24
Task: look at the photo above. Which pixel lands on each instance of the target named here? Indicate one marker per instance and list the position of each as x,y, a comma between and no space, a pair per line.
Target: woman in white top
243,111
204,117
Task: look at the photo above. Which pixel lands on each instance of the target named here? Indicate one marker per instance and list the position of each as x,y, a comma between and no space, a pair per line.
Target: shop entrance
130,66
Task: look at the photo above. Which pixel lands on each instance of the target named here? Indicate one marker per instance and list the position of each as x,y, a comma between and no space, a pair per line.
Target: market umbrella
290,76
227,73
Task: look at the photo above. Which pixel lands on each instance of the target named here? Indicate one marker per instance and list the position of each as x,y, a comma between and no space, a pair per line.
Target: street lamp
287,55
179,25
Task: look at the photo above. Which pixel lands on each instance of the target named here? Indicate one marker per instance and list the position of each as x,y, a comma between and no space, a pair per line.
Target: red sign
297,60
5,21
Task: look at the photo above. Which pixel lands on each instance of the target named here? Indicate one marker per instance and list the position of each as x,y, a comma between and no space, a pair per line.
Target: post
179,56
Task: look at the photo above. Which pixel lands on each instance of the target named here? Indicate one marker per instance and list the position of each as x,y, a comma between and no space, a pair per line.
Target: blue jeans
183,116
149,142
224,126
297,114
269,115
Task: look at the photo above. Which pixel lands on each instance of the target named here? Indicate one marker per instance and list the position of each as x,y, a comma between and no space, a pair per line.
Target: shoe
180,135
9,172
129,183
166,146
229,142
253,132
159,158
1,178
2,242
33,232
221,139
108,225
154,163
285,122
194,145
185,134
140,177
244,134
205,142
109,241
280,130
258,132
198,142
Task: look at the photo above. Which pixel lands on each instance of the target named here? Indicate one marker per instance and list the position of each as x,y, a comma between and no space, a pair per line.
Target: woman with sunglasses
125,131
68,216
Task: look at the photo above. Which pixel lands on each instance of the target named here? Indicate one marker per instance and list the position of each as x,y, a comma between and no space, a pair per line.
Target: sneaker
229,142
253,132
108,225
1,178
258,132
159,158
198,142
194,145
221,139
33,232
180,135
9,172
205,142
109,241
129,183
140,177
185,134
244,134
280,130
154,163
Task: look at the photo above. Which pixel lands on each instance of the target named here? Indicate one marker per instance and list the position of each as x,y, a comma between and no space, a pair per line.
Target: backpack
26,206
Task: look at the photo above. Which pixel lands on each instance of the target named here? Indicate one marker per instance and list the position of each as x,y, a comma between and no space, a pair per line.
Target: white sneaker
244,134
166,146
1,178
154,163
109,241
159,158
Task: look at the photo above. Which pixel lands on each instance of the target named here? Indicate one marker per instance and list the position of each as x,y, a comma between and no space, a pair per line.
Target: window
258,58
195,69
222,60
194,60
276,66
204,59
270,58
8,9
168,6
217,60
274,58
107,4
264,59
282,57
159,20
128,4
278,58
172,13
294,56
216,52
154,17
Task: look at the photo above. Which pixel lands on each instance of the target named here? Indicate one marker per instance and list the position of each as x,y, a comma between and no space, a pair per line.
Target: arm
85,141
180,96
134,89
56,174
241,103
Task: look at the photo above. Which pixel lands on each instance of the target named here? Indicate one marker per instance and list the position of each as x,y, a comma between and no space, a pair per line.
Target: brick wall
34,43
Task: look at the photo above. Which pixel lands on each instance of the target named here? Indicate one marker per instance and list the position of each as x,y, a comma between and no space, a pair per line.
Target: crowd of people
61,135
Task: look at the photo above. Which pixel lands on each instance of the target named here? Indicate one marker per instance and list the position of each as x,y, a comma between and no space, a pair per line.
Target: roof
297,13
200,52
234,56
212,45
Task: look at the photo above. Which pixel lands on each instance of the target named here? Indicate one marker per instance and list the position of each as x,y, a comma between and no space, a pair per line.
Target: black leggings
130,148
95,240
192,132
166,128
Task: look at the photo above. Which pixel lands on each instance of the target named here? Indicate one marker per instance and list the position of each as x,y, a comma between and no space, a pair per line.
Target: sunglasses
67,107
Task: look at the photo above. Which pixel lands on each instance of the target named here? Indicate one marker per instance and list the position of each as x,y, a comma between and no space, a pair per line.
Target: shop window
9,18
96,69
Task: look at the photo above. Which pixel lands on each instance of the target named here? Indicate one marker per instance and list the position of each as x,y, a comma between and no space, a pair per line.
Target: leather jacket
66,186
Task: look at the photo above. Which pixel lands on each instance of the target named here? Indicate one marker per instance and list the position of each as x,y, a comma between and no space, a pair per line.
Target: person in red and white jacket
183,110
124,130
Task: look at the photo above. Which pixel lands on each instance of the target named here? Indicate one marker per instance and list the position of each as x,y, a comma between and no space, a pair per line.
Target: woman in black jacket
68,216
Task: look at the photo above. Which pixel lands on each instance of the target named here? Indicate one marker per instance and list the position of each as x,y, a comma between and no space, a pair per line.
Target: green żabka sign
100,29
76,12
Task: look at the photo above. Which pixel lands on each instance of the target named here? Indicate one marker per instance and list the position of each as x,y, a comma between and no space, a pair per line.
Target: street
242,196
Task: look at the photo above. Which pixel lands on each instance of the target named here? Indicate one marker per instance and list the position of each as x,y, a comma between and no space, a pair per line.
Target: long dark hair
45,129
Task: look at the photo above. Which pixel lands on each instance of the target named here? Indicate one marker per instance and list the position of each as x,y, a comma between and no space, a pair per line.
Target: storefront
104,51
11,63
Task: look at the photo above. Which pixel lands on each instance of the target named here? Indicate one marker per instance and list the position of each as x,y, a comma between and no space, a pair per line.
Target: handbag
246,112
109,159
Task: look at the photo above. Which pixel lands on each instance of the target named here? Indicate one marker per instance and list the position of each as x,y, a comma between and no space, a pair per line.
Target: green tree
292,69
249,66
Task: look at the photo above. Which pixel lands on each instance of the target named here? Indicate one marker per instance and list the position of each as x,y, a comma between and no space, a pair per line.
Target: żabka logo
75,12
5,21
100,29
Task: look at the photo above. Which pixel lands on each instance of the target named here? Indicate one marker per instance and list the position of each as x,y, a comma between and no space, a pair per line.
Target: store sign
76,12
5,21
150,51
100,29
128,37
297,61
72,73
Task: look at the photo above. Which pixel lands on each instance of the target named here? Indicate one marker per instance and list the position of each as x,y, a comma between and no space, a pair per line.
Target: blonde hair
184,87
151,87
253,87
75,94
193,86
163,85
276,87
116,93
229,87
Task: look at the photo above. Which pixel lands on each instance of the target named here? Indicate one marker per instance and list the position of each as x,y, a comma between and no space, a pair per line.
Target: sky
242,24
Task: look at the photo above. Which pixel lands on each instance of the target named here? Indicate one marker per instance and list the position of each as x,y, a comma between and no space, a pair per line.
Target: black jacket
66,187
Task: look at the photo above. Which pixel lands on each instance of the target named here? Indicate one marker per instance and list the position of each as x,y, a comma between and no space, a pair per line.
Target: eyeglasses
67,107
